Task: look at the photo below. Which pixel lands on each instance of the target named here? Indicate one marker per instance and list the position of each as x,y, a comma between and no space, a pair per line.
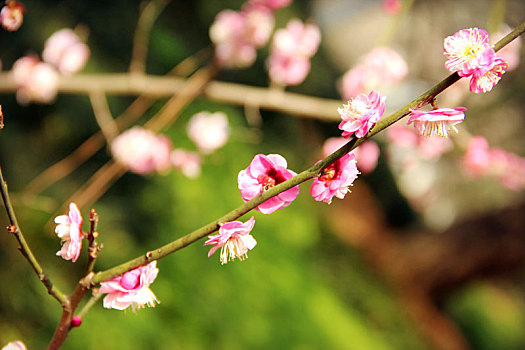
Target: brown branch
103,116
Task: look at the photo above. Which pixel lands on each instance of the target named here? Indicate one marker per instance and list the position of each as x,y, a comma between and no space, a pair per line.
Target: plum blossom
36,81
142,151
131,289
64,50
15,345
208,131
234,239
476,160
484,79
335,179
70,233
12,15
264,173
237,35
292,48
361,113
189,163
467,51
381,67
438,121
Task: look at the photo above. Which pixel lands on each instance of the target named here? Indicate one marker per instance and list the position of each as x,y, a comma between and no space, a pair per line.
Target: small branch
92,236
14,228
90,303
296,180
103,116
147,18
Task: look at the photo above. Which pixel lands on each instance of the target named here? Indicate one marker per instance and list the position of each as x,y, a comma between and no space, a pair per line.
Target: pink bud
76,321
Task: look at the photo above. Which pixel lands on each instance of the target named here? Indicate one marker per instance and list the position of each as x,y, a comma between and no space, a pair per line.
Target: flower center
270,179
331,172
130,280
234,248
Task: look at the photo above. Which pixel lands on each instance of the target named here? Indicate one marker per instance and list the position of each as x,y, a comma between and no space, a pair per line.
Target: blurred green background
301,288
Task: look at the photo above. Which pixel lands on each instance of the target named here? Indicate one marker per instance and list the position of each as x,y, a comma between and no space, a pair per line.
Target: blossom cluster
481,160
292,48
238,34
361,113
381,67
470,54
144,152
37,81
12,15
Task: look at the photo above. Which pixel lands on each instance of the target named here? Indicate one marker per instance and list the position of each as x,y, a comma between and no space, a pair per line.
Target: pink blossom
131,289
381,67
12,15
361,113
36,81
438,121
70,233
332,144
271,4
288,70
509,167
476,160
467,51
335,179
65,51
189,163
484,79
297,39
234,239
76,321
392,6
264,173
236,35
510,53
142,151
209,131
15,345
292,47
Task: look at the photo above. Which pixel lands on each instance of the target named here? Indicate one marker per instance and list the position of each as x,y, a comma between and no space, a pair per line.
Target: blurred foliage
300,289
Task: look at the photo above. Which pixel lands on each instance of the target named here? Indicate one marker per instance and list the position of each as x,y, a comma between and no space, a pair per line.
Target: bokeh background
397,264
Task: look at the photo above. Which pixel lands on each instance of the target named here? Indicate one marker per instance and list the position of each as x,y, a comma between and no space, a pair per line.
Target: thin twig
103,116
147,18
14,228
296,180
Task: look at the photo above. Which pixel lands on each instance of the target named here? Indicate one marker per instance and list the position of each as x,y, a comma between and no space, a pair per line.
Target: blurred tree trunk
423,268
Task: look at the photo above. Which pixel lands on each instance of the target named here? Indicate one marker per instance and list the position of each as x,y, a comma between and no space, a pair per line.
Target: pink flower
234,239
259,22
189,163
361,113
335,179
332,144
467,51
36,81
509,167
12,15
271,4
65,51
477,159
208,131
70,233
15,345
438,121
264,173
288,70
366,156
142,151
297,39
484,79
392,6
131,289
381,67
292,47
